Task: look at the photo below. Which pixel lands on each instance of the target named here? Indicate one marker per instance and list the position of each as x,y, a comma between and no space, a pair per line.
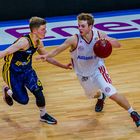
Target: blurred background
16,9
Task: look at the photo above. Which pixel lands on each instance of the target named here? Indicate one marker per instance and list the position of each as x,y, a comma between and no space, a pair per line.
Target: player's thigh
106,87
88,85
32,81
17,85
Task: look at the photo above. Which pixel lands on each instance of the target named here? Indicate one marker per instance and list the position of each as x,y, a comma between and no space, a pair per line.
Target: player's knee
40,99
113,96
23,101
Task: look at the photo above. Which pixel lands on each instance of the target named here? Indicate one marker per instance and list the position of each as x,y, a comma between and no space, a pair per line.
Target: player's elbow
118,45
49,60
4,53
7,52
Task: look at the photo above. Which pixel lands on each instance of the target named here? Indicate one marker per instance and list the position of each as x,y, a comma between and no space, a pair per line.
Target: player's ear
91,26
34,30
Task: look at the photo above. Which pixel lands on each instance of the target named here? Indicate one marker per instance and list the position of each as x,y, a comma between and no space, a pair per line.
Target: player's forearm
114,42
60,65
52,53
56,63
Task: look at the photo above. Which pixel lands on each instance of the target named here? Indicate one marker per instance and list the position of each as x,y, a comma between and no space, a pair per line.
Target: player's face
41,31
83,27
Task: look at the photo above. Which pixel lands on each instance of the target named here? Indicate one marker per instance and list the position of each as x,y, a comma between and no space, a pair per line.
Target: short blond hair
36,22
86,16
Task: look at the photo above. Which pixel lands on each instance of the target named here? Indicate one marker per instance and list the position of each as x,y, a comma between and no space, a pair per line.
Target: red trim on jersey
105,74
98,34
72,62
90,39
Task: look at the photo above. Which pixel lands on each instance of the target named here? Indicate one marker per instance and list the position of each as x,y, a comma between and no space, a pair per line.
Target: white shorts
99,81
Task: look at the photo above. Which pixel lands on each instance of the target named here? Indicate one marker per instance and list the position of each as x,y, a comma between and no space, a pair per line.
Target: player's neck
88,36
35,38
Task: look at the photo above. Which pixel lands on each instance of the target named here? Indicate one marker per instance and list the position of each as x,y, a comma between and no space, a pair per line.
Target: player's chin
42,36
82,34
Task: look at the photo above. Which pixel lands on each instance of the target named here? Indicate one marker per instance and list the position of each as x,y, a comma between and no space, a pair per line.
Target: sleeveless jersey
84,60
22,59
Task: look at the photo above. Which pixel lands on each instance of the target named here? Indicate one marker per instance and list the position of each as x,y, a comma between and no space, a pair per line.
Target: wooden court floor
66,101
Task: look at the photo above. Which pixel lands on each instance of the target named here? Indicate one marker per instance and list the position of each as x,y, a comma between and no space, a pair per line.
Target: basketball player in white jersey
89,68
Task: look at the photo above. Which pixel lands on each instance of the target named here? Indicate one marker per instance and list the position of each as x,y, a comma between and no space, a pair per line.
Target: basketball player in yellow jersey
18,72
89,68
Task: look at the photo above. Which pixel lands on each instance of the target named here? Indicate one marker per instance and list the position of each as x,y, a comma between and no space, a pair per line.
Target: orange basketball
102,48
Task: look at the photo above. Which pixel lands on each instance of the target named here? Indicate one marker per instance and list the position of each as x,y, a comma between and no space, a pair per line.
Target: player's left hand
68,66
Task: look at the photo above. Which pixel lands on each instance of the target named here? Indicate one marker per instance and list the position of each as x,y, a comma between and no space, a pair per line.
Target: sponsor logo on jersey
84,57
107,89
80,48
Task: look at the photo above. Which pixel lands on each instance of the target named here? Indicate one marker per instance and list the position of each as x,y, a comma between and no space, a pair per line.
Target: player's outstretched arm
20,44
43,56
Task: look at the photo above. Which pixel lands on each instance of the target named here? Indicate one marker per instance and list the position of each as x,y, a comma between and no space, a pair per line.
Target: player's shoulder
24,40
22,43
71,39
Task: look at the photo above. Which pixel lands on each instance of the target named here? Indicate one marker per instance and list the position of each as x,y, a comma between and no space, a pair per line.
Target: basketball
102,48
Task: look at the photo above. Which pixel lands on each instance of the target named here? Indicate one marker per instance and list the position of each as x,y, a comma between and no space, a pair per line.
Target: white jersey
85,62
